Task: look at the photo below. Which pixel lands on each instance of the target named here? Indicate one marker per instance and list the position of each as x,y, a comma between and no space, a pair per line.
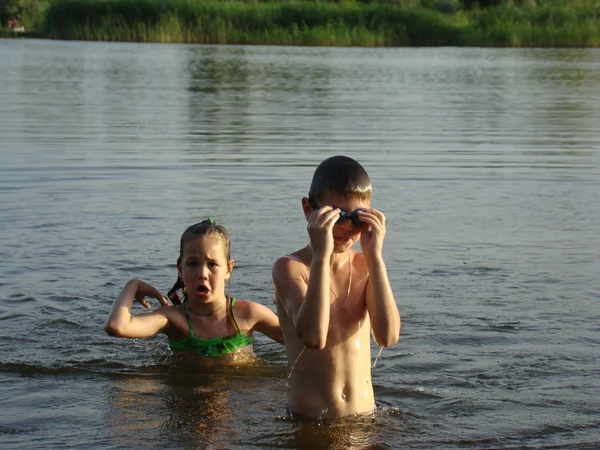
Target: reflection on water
180,407
485,161
348,434
198,409
218,83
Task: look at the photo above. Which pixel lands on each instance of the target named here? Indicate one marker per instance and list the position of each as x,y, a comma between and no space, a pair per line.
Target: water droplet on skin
377,357
295,362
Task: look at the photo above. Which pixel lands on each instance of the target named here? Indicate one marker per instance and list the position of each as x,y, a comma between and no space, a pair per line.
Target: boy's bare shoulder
289,263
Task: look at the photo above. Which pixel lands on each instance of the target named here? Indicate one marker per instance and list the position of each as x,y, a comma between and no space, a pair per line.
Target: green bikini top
211,346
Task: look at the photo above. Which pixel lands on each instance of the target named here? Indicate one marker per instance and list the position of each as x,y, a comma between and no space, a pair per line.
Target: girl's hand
144,290
372,235
120,321
320,230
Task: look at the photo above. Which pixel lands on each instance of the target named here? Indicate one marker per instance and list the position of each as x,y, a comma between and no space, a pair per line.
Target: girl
208,322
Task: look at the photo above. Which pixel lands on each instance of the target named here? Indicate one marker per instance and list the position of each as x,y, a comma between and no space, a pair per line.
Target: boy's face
345,233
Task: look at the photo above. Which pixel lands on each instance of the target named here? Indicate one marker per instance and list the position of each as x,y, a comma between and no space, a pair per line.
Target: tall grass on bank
514,23
286,23
529,23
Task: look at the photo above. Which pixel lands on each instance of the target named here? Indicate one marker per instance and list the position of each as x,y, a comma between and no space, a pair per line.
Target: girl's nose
204,272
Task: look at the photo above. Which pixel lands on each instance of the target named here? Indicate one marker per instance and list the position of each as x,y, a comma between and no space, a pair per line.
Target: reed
294,23
541,23
549,23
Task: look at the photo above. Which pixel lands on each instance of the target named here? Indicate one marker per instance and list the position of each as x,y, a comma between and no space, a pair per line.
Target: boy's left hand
373,233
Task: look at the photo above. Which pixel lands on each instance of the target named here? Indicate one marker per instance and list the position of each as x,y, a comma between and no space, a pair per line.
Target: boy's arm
309,303
306,304
120,323
383,312
381,305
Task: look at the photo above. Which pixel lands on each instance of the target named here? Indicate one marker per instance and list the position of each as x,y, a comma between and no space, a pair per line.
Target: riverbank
549,23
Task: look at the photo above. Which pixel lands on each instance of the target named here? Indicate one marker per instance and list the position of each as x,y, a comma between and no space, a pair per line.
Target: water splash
294,365
377,357
320,417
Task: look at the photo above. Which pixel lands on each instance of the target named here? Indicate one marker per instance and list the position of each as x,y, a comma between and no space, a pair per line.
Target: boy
329,297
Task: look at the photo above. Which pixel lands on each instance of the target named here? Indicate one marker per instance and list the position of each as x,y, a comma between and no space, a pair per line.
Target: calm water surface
485,162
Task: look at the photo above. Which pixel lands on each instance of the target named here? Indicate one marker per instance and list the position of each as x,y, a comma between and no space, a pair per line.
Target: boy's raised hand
144,290
372,235
320,230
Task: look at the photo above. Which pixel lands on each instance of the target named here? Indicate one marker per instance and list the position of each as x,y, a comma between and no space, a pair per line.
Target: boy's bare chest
347,296
347,317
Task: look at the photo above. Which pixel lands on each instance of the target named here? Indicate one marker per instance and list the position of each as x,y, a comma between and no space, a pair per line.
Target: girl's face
204,268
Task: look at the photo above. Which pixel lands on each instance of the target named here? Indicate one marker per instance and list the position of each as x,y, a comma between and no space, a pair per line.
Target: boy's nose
346,225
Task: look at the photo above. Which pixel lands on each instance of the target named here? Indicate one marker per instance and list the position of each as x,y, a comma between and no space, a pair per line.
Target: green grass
515,23
548,23
295,23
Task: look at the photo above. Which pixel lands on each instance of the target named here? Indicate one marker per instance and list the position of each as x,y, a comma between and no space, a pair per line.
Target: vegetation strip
506,23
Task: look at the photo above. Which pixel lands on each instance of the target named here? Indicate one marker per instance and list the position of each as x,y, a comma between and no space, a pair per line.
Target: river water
486,163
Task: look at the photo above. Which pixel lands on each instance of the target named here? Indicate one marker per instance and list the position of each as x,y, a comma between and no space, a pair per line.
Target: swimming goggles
353,216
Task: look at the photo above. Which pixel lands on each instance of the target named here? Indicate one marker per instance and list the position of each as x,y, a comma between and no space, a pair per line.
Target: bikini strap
233,315
187,317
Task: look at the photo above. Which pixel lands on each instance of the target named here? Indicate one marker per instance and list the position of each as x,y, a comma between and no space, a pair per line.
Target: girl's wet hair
207,227
339,175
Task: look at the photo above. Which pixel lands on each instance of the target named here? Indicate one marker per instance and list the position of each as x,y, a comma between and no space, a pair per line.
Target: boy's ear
306,207
230,265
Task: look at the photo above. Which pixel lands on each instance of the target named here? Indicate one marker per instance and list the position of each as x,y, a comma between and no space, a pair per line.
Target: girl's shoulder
243,306
178,327
248,309
171,312
246,304
169,309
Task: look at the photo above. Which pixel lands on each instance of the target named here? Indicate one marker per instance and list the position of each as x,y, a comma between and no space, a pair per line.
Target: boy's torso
335,381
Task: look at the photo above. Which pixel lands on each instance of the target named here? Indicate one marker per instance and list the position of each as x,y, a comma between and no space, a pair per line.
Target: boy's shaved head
342,176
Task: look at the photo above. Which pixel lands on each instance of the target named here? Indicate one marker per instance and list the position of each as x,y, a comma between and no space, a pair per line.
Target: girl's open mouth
202,290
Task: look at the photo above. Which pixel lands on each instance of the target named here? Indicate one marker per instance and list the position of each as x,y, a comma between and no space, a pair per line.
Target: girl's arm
120,323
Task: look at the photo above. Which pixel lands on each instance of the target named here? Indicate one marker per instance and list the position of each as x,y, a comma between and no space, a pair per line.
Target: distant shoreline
548,23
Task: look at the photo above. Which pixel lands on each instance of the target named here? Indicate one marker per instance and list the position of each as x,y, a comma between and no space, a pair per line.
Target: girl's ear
179,269
230,265
306,207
